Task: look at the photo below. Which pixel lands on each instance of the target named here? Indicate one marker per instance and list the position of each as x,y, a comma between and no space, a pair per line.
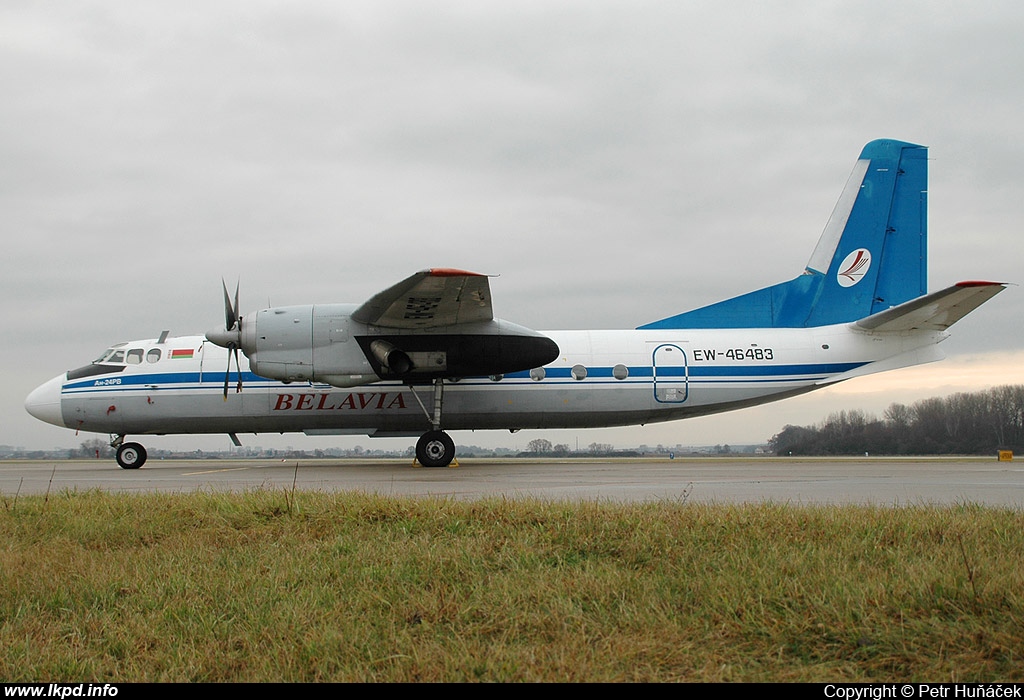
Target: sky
612,163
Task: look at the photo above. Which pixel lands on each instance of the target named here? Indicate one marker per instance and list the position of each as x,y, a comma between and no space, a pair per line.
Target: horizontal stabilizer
911,358
933,312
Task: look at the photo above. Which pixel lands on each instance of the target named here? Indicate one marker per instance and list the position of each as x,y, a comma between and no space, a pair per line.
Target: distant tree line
544,448
964,423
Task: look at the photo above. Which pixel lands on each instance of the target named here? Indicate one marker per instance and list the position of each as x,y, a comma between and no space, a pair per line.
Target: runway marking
215,471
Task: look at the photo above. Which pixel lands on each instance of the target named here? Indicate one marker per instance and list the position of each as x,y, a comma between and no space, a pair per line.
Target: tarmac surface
795,481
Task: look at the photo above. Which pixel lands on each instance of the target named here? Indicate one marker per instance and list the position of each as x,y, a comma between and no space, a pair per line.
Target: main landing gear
129,455
435,448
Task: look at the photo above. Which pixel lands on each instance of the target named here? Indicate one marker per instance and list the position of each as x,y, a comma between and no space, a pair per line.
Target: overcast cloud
614,163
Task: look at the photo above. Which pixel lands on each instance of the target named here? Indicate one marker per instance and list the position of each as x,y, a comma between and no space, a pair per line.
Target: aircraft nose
44,402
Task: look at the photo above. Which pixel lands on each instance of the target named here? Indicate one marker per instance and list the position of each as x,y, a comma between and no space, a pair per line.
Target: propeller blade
238,366
230,312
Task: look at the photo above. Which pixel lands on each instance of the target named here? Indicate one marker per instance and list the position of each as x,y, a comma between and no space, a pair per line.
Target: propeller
229,337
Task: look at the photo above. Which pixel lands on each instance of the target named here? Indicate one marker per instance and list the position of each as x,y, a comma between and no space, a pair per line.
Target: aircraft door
669,369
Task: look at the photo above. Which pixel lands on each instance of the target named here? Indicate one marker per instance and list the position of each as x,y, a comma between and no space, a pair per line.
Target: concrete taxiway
878,481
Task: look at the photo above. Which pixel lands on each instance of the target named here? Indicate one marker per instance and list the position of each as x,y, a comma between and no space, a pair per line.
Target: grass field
281,586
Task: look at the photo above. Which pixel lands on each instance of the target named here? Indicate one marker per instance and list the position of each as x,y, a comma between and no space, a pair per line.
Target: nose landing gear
129,455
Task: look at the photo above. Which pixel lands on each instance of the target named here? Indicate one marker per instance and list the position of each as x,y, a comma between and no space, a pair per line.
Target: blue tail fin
872,255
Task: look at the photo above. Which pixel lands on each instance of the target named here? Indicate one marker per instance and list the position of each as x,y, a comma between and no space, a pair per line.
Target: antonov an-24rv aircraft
427,355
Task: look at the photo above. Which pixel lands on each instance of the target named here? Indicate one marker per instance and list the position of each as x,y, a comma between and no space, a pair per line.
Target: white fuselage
601,378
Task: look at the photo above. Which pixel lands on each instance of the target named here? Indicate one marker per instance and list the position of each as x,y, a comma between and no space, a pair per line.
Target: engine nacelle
322,343
306,343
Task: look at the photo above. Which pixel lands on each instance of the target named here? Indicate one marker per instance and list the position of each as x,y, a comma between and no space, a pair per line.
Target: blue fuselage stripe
559,375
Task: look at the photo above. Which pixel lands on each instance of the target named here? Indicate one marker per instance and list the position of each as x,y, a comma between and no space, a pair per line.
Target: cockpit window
102,364
114,354
109,355
119,355
94,370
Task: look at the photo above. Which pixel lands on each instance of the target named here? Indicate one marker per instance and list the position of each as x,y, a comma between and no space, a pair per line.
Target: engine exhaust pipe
391,358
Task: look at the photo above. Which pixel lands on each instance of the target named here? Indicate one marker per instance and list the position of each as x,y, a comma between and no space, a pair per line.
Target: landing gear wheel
131,455
435,449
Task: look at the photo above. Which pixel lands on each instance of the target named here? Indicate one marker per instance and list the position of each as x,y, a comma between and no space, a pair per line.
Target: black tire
435,449
131,455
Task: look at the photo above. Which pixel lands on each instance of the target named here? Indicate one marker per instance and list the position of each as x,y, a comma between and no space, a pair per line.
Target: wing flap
934,312
429,299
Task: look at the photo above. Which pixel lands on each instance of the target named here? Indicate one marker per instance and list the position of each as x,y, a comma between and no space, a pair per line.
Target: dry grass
270,586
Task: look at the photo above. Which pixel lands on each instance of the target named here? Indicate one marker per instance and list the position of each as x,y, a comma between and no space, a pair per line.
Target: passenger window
135,356
538,373
153,355
579,372
620,371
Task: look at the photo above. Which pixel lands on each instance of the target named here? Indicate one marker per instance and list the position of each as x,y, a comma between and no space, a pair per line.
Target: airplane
426,355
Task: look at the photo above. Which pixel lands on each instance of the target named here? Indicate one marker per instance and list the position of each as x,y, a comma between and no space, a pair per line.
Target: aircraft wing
428,299
936,311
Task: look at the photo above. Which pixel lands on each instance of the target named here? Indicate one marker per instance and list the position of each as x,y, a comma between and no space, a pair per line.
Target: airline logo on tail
854,267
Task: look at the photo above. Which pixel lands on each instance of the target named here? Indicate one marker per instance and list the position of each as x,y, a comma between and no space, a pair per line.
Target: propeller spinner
229,337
